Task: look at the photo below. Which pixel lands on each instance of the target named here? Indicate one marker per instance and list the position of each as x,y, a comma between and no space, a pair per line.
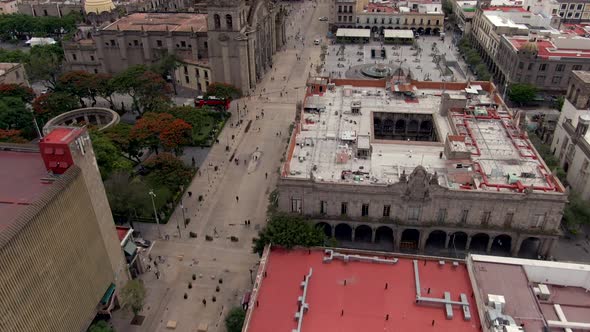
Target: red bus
212,101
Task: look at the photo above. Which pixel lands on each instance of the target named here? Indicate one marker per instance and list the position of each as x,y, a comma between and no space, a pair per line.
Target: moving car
323,18
143,243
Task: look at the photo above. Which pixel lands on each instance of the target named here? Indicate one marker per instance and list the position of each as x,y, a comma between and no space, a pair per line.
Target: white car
316,42
323,18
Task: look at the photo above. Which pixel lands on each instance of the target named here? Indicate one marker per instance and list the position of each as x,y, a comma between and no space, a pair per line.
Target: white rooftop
389,33
353,33
495,155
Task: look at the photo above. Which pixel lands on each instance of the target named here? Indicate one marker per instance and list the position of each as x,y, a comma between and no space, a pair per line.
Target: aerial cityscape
294,165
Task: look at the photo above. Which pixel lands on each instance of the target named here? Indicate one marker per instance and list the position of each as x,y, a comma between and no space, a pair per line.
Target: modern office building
61,257
427,166
350,290
571,139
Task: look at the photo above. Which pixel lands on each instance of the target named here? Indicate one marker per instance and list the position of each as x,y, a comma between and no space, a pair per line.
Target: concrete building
424,17
464,12
59,250
234,43
13,73
574,12
419,171
8,6
571,140
101,8
194,75
352,290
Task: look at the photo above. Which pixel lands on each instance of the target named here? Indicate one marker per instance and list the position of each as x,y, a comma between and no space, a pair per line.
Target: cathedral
243,36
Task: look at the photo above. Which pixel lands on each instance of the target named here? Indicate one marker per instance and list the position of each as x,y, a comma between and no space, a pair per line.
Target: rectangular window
413,213
206,74
159,43
464,215
539,221
350,9
112,41
386,210
485,217
542,66
92,58
339,18
185,69
182,43
344,208
508,219
296,205
530,67
350,19
206,45
323,207
187,80
365,210
520,65
577,67
556,80
442,215
540,79
560,67
579,6
382,20
340,9
74,57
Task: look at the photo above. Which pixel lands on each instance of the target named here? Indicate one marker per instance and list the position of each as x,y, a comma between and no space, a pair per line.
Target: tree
166,67
127,196
25,93
147,89
105,88
288,231
100,326
45,63
15,116
52,104
522,93
235,319
162,129
576,212
79,83
167,170
11,136
222,90
133,295
108,156
120,135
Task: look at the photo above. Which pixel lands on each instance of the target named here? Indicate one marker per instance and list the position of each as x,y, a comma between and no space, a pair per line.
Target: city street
232,193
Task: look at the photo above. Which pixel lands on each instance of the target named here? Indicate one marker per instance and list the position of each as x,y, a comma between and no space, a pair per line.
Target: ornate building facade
243,37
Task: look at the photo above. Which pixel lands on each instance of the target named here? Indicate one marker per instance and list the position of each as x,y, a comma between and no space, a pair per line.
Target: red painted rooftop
62,135
506,9
21,175
122,232
575,29
363,299
547,49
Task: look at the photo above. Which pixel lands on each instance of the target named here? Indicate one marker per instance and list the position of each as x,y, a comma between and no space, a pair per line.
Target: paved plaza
425,60
231,195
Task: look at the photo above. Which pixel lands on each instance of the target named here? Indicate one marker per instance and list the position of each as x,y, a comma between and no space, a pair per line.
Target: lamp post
30,109
152,195
504,92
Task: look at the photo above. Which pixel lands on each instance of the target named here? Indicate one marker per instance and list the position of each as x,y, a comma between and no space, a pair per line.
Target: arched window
228,22
216,21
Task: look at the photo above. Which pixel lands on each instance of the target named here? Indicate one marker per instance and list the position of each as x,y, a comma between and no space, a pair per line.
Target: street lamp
152,195
30,109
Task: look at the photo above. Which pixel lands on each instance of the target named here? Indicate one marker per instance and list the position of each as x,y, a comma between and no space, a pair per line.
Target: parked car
323,18
143,243
316,42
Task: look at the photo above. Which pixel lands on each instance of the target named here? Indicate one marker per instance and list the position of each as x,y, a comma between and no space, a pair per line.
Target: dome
98,6
529,46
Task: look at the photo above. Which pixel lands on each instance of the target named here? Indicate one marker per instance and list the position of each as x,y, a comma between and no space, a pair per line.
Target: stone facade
410,213
236,40
193,75
13,73
243,37
571,140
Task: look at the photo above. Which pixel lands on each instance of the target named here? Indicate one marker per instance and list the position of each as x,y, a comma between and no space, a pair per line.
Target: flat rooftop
21,176
495,155
515,279
546,49
352,296
186,22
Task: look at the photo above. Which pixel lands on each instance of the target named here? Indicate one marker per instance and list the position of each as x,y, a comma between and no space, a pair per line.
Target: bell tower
228,42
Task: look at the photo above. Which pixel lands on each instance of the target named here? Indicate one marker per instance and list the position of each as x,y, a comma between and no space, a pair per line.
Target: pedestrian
204,302
190,194
237,199
266,175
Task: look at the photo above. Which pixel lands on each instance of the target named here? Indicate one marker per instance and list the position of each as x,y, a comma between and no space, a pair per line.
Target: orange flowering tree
162,129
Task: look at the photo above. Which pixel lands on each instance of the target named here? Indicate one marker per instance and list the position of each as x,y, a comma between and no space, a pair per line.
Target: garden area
473,59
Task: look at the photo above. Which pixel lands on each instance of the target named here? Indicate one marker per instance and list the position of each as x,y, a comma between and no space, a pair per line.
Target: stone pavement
231,194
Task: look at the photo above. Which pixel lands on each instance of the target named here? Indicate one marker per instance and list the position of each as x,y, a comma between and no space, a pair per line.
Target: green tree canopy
522,93
45,63
108,156
25,93
15,116
222,90
288,231
51,104
127,196
21,26
133,295
167,170
147,89
235,319
120,135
